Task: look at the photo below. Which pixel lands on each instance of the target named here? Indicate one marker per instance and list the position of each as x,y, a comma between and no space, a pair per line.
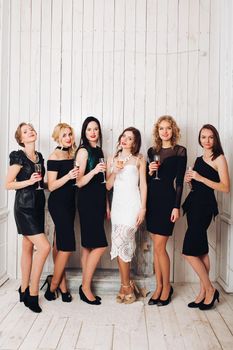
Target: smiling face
92,132
207,139
66,137
127,140
165,130
28,134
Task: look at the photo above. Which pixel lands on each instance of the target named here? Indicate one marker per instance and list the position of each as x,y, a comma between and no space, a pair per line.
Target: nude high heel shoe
120,297
131,297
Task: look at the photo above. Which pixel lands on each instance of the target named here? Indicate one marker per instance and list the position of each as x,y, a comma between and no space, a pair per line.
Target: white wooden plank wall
126,62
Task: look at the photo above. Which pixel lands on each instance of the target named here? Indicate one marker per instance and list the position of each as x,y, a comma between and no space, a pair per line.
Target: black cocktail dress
61,206
162,196
92,204
29,203
200,207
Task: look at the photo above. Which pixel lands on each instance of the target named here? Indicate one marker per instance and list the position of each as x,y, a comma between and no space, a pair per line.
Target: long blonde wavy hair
157,142
57,136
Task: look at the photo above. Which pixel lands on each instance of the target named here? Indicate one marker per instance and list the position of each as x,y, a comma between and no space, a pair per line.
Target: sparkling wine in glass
38,170
77,166
157,162
101,160
190,183
120,163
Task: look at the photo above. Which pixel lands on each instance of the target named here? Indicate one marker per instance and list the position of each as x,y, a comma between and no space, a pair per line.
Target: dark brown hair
137,141
217,147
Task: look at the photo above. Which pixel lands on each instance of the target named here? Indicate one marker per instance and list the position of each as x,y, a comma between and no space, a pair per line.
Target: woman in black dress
210,172
29,212
61,180
167,163
91,204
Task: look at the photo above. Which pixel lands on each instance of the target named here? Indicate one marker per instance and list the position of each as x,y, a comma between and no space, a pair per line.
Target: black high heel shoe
48,294
86,300
153,301
167,301
31,301
96,296
21,294
195,305
66,296
209,306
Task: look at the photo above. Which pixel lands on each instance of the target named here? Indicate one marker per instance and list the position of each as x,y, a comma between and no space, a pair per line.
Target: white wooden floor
114,326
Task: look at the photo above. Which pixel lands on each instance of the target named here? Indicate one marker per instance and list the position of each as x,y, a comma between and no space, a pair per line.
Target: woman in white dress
126,172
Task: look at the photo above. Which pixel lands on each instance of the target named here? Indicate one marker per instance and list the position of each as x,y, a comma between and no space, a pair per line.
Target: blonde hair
57,136
157,142
18,133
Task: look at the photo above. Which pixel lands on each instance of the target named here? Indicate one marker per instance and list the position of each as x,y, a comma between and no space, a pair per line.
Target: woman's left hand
194,175
141,217
175,214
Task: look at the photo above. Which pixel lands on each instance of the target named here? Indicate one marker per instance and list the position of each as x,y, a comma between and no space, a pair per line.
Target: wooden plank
77,48
140,60
129,64
14,335
98,337
172,58
121,339
25,58
214,59
150,84
54,332
98,42
155,331
34,98
161,63
87,62
35,334
66,59
70,334
119,53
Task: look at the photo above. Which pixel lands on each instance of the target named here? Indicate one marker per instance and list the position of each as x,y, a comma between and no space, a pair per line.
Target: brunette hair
57,136
18,133
175,132
83,140
136,144
217,146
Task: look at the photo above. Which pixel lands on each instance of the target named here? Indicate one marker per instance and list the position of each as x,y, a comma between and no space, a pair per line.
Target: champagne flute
77,166
38,170
190,183
101,160
157,162
120,163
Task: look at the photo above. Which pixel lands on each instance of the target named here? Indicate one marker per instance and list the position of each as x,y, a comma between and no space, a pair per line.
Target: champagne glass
190,183
77,166
38,170
101,160
157,161
120,163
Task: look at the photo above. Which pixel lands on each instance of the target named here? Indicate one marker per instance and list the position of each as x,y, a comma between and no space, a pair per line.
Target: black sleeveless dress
162,197
92,204
29,203
61,204
200,207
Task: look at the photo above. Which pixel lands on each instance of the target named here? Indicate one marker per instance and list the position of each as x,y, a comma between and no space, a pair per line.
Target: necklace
126,158
63,148
34,159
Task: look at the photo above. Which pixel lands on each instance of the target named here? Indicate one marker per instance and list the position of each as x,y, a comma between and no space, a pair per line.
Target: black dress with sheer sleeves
92,204
61,204
162,196
29,203
200,207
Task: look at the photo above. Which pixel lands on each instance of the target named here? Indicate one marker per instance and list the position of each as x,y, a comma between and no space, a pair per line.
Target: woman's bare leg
160,243
26,262
158,273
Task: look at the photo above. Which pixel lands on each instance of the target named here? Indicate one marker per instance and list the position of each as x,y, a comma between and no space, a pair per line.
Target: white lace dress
126,204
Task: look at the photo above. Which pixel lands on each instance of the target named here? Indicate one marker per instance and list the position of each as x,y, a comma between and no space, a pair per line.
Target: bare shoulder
53,156
82,154
221,161
141,158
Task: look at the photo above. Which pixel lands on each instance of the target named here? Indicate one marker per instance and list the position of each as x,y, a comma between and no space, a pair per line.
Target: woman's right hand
35,177
153,166
100,168
73,173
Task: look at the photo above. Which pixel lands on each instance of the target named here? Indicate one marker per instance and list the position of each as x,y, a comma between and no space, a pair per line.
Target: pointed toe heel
194,305
209,306
86,300
162,302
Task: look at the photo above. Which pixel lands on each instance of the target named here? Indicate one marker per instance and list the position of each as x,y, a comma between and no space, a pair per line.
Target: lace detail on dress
123,242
